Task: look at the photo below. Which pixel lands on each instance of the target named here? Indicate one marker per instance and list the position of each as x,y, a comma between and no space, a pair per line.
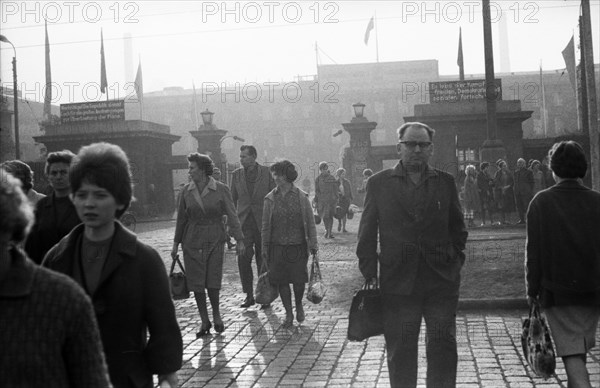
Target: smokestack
128,57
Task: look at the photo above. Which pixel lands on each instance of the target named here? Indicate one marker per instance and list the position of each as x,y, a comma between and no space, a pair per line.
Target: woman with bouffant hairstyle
563,259
288,234
125,278
49,335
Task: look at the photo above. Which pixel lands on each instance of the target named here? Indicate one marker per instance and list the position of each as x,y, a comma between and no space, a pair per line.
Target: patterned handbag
537,343
178,281
316,287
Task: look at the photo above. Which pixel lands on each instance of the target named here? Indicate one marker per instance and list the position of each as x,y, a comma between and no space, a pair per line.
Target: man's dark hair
104,165
204,162
64,156
285,168
567,160
251,150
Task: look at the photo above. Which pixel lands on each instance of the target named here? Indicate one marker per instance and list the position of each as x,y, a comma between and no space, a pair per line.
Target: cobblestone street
255,351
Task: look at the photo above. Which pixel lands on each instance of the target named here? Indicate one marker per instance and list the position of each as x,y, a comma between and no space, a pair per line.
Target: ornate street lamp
359,109
16,99
207,117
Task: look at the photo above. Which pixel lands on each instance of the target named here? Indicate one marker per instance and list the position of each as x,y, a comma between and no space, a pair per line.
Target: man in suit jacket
414,209
249,186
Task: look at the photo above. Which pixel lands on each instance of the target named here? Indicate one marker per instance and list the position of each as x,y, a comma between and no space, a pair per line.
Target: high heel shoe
204,331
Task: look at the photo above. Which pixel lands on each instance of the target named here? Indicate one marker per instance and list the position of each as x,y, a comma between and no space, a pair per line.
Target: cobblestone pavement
255,351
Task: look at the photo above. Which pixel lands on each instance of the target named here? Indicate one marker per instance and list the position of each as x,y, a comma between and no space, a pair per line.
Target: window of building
466,156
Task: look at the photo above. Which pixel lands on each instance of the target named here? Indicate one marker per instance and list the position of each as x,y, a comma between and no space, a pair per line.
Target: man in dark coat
249,186
523,188
414,210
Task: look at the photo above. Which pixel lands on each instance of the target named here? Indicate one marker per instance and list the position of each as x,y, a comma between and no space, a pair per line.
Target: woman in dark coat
563,259
503,186
345,198
288,235
125,278
55,215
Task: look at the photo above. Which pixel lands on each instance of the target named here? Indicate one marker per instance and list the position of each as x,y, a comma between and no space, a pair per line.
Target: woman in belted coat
201,232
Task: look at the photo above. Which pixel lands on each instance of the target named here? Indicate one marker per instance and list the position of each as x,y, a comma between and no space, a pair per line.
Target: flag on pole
370,26
569,56
139,83
460,61
103,81
195,107
48,90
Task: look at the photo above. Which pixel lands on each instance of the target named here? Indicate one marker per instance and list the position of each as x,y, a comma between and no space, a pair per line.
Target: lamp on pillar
15,97
207,118
359,109
209,139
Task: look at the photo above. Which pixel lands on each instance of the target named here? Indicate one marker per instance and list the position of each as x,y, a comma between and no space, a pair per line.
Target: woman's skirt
573,328
204,267
288,264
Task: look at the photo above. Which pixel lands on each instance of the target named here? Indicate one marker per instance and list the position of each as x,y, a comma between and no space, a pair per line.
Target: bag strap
314,267
176,260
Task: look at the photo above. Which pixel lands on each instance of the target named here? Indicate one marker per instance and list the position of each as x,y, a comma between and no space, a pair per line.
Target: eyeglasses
413,144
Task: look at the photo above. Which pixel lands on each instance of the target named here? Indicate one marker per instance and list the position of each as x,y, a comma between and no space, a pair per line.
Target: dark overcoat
131,301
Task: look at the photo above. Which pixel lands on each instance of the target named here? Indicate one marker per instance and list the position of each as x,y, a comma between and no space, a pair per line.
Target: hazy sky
184,41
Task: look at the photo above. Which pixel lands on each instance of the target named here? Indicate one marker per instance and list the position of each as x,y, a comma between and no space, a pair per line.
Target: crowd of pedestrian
84,303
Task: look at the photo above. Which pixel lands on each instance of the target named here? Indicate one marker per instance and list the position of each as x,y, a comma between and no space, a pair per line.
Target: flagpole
579,126
141,87
376,37
317,57
543,107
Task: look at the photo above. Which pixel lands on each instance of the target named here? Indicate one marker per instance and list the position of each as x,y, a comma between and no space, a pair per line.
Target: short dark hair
416,124
64,156
105,165
204,162
285,168
16,212
21,171
367,172
484,165
251,149
323,166
567,160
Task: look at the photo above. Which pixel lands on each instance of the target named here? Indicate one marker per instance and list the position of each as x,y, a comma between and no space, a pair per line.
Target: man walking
326,197
523,187
249,186
414,209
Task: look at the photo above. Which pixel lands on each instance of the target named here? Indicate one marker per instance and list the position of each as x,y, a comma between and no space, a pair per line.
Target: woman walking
563,259
201,232
288,235
470,195
345,198
125,278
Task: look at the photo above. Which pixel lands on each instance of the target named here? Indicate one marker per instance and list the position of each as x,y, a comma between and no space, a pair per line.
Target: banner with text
453,91
92,111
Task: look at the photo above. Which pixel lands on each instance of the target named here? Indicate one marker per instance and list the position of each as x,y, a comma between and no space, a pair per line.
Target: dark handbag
350,214
339,213
316,287
537,343
366,313
178,281
266,292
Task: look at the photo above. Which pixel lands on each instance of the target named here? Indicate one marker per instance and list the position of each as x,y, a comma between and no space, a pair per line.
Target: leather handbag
350,213
537,343
366,313
266,292
178,281
316,287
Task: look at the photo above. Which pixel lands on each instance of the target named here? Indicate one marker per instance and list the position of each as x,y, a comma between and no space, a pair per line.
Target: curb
492,304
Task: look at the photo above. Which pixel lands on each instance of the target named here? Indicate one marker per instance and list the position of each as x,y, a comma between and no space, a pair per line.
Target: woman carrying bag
288,235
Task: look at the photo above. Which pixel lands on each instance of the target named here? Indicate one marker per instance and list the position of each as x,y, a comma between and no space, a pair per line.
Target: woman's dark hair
285,168
484,165
105,165
64,156
21,171
16,213
367,172
204,162
567,160
323,166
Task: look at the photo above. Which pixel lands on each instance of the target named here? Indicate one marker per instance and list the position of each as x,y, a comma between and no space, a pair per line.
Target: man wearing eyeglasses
414,209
